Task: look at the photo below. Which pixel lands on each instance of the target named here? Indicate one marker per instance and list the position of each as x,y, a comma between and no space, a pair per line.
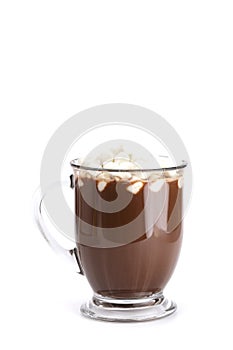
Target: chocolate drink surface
142,262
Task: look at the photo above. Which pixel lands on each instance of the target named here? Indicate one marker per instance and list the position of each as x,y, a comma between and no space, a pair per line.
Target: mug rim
74,163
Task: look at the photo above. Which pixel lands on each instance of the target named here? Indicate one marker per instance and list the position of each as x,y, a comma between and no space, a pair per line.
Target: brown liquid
130,266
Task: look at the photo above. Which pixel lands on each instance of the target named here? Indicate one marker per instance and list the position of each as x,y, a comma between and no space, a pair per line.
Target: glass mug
128,235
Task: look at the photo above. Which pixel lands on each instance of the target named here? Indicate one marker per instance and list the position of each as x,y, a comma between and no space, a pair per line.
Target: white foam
135,187
156,186
119,159
121,163
155,176
124,175
105,175
101,185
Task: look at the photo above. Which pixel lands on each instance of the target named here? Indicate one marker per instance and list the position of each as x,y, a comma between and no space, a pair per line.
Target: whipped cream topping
136,178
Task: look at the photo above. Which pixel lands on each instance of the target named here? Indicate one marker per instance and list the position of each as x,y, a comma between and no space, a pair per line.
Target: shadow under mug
128,234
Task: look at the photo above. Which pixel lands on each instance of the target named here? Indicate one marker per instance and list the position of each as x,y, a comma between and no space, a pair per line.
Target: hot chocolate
133,265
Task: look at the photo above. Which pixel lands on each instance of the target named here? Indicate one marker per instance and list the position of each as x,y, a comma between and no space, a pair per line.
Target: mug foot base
131,310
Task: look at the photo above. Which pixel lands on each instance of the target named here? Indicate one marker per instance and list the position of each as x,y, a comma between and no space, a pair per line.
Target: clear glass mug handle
71,255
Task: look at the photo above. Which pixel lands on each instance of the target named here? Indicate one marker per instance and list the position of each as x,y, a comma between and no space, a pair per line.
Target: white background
60,57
